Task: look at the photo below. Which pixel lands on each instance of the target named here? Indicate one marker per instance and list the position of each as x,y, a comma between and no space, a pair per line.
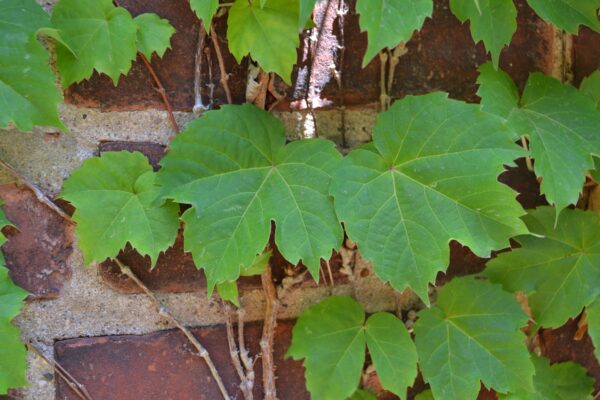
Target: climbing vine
429,176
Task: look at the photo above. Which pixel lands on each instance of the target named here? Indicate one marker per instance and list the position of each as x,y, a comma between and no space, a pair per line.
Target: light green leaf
393,352
564,381
472,335
153,35
390,22
306,10
558,269
28,92
228,291
205,10
593,319
233,167
102,36
492,21
429,177
114,195
568,14
561,124
269,34
590,86
259,265
362,395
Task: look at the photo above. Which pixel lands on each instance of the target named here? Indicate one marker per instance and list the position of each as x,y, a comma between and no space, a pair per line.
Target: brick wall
107,334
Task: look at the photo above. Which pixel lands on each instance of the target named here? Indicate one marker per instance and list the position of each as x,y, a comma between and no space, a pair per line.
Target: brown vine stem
528,161
77,387
268,335
163,311
36,191
224,75
246,377
199,105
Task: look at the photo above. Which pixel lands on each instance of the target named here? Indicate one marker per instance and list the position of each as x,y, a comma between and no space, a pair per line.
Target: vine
429,176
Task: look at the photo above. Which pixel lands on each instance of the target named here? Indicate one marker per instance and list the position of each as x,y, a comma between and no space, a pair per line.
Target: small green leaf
390,22
557,269
306,10
258,266
393,352
564,381
205,10
102,36
430,176
471,335
234,168
28,92
568,14
426,395
269,34
590,86
492,21
362,395
114,195
593,318
561,123
153,35
229,292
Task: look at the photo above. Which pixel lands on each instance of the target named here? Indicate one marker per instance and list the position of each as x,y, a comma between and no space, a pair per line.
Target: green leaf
331,338
205,10
590,86
153,35
259,265
564,381
102,36
269,34
429,177
114,195
393,352
362,395
228,291
234,168
390,22
561,123
593,318
492,21
557,269
426,395
306,10
568,14
28,92
472,335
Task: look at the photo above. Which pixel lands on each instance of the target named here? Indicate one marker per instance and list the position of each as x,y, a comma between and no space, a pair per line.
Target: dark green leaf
362,395
568,14
593,318
306,10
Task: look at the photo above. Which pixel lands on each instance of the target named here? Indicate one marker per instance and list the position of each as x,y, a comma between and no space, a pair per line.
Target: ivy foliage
114,196
153,35
557,268
473,334
331,338
12,352
560,123
404,197
568,14
234,168
205,10
28,93
593,319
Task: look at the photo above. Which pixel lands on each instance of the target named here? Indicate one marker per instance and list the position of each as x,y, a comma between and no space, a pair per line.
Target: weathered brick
586,54
163,366
37,250
153,151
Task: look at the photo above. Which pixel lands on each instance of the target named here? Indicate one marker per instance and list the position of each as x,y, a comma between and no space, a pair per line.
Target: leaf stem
246,376
268,335
223,71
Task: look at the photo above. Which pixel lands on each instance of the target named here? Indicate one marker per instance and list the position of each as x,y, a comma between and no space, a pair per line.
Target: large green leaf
564,381
472,335
28,92
593,318
331,338
114,196
492,21
362,395
153,35
234,168
561,124
12,351
559,268
568,14
270,35
429,177
102,36
590,86
205,10
390,22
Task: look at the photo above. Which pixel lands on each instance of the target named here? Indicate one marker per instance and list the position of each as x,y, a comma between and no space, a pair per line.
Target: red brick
153,151
37,250
162,366
586,54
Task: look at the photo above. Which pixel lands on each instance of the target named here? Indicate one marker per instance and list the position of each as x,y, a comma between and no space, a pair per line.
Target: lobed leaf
472,336
390,22
153,35
590,86
114,196
429,177
362,395
557,268
593,319
234,168
568,14
205,10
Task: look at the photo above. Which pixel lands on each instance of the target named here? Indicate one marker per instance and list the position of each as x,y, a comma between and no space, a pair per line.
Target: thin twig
163,311
224,74
528,161
383,95
77,387
395,55
210,85
36,191
245,384
244,354
198,103
268,334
